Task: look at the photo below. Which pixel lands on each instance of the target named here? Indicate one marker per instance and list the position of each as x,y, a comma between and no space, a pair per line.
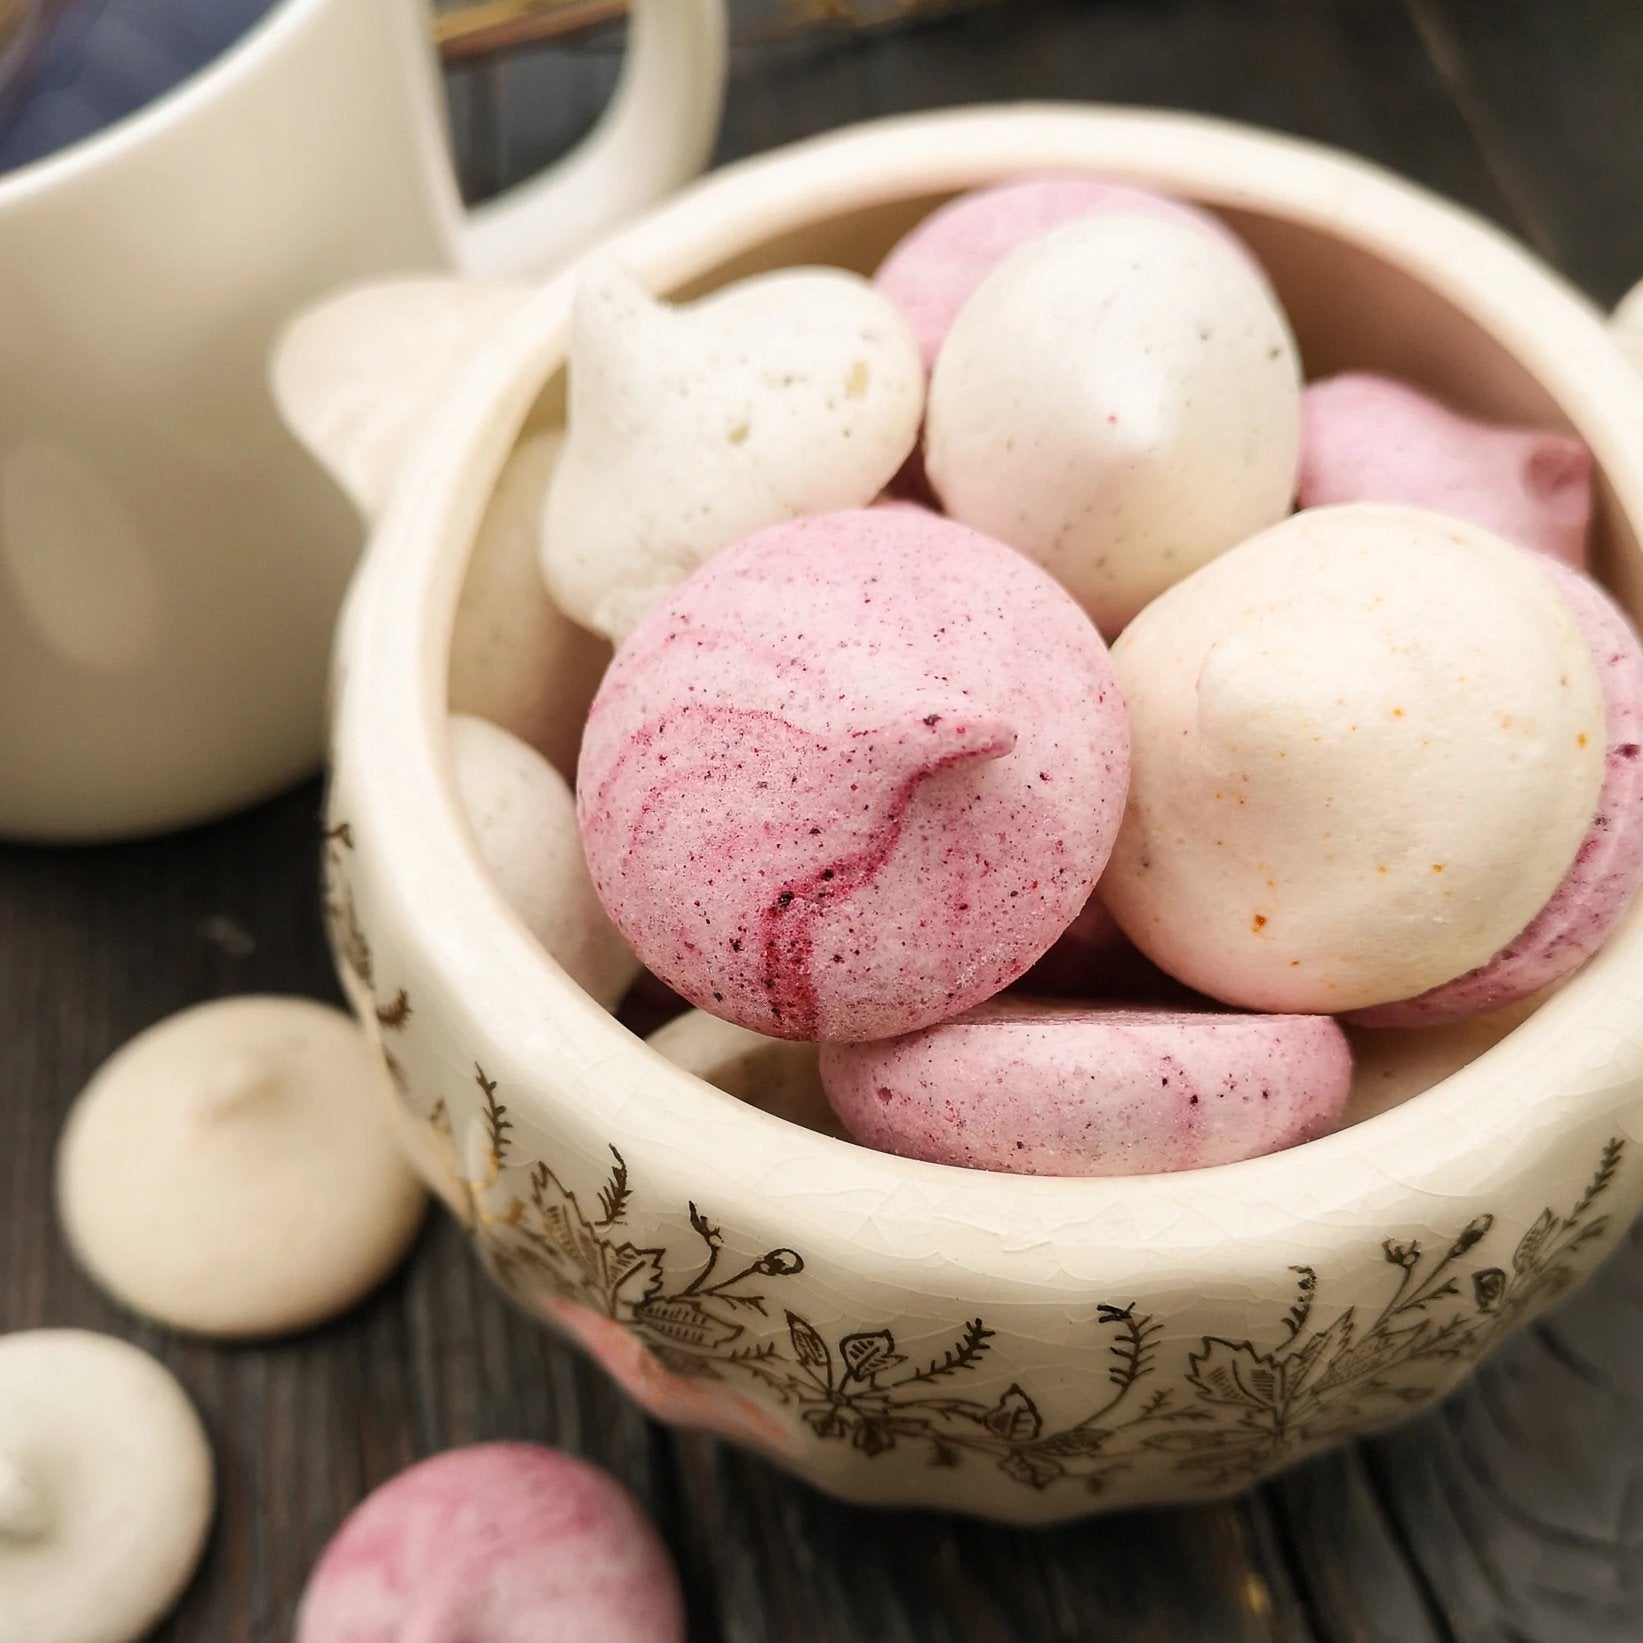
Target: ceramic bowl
1023,1348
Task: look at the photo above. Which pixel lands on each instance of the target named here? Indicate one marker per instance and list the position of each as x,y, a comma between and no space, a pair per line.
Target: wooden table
1514,1514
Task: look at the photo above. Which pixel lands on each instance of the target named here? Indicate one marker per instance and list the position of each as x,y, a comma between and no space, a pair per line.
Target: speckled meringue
1120,400
497,1543
1368,438
1037,1088
356,375
524,821
106,1490
854,776
1366,747
232,1170
1627,325
786,394
933,269
516,658
1603,880
776,1075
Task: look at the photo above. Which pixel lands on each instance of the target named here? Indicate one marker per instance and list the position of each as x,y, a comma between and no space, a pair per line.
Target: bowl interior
1353,302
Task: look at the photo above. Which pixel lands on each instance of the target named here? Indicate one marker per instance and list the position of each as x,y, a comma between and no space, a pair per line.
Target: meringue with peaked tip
1119,400
1368,438
106,1490
357,375
786,394
1367,744
497,1543
524,821
1603,880
777,1075
854,776
232,1170
516,658
1037,1088
931,272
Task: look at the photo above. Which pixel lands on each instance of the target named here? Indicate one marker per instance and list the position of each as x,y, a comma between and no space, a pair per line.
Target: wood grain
1513,1515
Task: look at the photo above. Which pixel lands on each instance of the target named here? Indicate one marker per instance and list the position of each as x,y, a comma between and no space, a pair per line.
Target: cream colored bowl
1023,1348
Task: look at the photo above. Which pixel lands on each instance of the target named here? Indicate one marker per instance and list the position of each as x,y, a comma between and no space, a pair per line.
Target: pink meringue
854,776
1368,438
498,1543
1035,1088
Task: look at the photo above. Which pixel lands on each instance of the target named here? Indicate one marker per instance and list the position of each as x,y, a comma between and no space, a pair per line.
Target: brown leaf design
685,1319
1234,1373
1533,1241
1014,1417
867,1353
808,1347
1035,1470
632,1276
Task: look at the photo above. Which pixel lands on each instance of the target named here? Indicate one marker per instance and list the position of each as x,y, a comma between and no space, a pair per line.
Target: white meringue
791,393
356,375
106,1490
232,1170
1120,400
524,820
516,658
1366,745
779,1075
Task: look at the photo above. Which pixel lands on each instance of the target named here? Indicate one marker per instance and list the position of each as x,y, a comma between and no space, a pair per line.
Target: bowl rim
1584,1045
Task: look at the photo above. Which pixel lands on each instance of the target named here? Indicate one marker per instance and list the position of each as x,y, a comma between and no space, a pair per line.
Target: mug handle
657,133
1627,325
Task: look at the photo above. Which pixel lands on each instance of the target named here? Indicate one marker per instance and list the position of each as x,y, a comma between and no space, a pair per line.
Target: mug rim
216,78
393,652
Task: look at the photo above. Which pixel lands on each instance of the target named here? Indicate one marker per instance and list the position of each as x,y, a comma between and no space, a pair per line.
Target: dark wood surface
1512,1515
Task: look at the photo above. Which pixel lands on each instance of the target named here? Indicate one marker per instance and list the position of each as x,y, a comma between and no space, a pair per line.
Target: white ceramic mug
170,561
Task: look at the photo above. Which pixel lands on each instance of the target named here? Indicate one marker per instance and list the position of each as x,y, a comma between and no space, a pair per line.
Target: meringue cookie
1367,745
787,394
854,776
1034,1088
356,376
232,1170
1603,880
524,821
1120,400
516,658
932,270
774,1074
498,1543
106,1492
1368,438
